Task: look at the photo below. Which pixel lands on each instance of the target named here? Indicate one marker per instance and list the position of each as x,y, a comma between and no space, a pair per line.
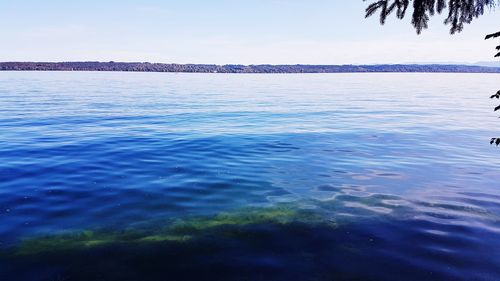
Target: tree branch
497,95
493,35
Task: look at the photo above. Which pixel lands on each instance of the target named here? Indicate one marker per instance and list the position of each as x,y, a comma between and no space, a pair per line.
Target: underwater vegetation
217,247
177,230
285,242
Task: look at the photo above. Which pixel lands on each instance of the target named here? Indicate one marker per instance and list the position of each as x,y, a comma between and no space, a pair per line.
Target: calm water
149,176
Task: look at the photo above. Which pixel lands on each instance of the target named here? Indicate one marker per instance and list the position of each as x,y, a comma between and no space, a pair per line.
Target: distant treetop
459,12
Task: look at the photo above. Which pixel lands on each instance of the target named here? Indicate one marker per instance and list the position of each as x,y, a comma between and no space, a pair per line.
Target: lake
156,176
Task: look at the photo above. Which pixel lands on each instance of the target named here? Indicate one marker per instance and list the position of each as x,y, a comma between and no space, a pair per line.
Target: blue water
396,169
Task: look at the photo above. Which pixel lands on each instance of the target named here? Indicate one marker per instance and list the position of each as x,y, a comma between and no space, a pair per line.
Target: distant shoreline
263,68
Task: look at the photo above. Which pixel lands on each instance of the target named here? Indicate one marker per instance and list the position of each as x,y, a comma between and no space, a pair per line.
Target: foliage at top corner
459,12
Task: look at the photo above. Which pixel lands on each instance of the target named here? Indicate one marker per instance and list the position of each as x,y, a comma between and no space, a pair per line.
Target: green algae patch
176,231
163,238
64,242
88,239
241,217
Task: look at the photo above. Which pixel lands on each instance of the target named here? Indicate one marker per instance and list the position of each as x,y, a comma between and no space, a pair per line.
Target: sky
229,32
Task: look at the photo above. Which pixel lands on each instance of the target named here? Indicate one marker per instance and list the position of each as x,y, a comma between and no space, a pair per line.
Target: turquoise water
151,176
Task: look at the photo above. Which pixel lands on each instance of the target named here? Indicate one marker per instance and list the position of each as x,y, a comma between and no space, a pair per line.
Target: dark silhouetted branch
497,95
493,35
460,12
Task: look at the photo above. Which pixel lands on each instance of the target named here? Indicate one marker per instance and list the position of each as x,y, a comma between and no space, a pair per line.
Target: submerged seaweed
176,231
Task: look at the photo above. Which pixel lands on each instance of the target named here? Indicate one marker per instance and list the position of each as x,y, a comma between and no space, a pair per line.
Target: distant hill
212,68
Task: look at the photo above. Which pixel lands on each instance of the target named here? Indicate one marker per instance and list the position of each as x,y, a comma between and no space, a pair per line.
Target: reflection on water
143,176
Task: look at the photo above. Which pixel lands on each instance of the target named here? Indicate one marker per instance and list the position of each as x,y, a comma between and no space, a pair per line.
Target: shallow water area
154,176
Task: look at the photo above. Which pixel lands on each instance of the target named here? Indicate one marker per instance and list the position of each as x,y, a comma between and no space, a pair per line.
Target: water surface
153,176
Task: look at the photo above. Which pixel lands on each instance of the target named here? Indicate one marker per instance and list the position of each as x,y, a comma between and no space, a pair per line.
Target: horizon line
237,68
479,63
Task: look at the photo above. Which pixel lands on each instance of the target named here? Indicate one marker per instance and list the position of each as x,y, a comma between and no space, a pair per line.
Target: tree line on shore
212,68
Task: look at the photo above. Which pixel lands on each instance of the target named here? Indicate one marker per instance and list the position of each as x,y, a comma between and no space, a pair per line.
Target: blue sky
228,31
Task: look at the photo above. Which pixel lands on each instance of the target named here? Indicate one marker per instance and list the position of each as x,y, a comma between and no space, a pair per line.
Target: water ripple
109,164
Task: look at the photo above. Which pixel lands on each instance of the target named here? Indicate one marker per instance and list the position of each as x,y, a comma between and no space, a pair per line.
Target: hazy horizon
230,32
